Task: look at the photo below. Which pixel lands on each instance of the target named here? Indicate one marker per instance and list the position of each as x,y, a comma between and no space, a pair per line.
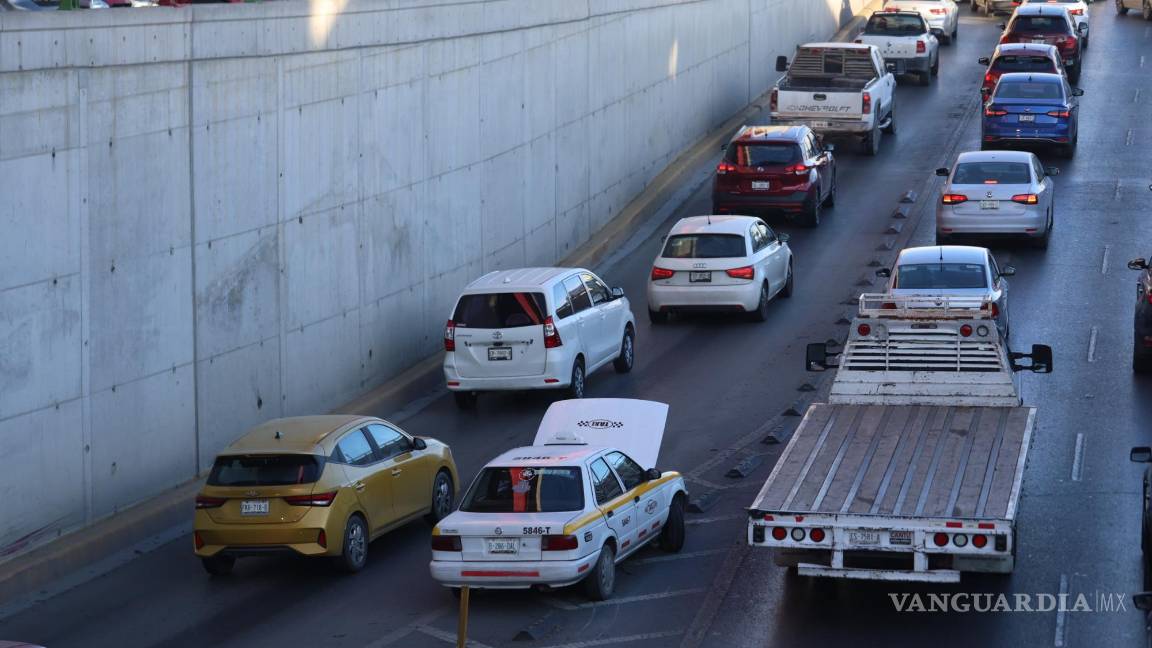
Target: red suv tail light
551,335
921,47
205,502
725,167
315,499
954,199
661,273
559,543
747,272
867,105
1026,199
446,543
773,100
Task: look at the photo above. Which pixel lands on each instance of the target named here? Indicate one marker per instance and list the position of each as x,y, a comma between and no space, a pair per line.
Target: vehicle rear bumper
914,64
557,375
1022,224
743,297
1008,137
512,574
834,127
257,541
728,203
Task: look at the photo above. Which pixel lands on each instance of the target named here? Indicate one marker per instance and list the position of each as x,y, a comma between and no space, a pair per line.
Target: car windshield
894,25
525,490
1039,24
939,276
265,470
751,155
1015,173
500,310
704,246
1028,90
1013,63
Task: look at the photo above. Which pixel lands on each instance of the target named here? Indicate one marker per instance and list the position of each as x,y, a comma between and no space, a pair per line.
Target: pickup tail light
954,199
1026,199
551,334
747,272
867,104
206,502
446,543
450,336
921,47
661,273
559,543
315,499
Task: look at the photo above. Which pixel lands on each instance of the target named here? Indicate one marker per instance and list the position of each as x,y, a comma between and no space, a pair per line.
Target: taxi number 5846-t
536,530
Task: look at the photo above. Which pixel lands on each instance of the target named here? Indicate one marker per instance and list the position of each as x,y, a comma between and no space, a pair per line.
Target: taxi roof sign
635,427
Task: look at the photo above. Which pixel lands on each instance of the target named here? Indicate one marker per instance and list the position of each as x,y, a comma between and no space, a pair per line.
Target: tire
811,215
987,7
786,291
1068,151
872,142
601,580
936,67
623,363
354,554
657,317
956,31
1120,8
830,200
891,130
1146,10
1141,362
442,496
1074,73
218,565
1086,39
924,78
761,312
576,386
465,400
672,535
1042,242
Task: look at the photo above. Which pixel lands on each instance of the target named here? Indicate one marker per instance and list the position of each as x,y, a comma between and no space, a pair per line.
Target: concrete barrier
217,215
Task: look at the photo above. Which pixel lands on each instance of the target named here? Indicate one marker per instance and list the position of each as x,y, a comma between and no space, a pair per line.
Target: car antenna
709,219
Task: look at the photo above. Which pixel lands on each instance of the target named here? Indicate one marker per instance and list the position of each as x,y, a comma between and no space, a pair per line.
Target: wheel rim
607,572
628,350
578,380
356,549
443,497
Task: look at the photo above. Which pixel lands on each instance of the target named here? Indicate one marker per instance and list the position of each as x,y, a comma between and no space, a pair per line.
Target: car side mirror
652,474
1052,172
1138,264
419,444
938,33
1077,92
784,238
781,63
1141,454
1082,28
1142,601
1003,26
984,60
723,147
884,272
617,292
890,66
1008,271
943,172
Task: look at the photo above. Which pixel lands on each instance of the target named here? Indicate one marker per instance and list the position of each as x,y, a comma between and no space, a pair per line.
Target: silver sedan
996,194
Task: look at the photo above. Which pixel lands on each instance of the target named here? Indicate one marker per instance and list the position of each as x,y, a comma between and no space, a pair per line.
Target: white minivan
536,328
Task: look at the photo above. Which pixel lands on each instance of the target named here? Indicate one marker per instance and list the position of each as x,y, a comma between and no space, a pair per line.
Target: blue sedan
1030,109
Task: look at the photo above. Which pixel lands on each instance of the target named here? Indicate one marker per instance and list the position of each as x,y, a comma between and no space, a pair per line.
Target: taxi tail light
206,502
954,199
1059,113
1026,199
747,272
315,499
921,47
551,334
450,336
446,543
559,543
774,100
661,273
866,108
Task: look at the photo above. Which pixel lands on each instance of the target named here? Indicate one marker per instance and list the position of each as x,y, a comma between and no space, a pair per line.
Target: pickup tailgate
893,47
830,104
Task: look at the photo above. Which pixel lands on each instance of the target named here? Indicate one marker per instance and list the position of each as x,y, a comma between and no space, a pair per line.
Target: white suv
536,328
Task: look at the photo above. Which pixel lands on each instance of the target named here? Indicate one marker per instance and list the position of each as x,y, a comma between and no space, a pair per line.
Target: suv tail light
1059,113
773,100
798,169
551,335
867,106
450,336
315,499
206,502
661,273
725,167
989,80
446,543
921,47
559,543
954,199
1026,199
747,272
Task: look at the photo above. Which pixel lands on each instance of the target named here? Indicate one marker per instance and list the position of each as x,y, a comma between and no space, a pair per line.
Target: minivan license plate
500,353
503,545
700,277
254,507
761,186
864,537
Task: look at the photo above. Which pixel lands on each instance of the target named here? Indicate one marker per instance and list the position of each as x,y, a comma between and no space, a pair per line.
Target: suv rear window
1039,24
1012,63
894,25
766,154
704,246
500,310
265,470
525,490
992,173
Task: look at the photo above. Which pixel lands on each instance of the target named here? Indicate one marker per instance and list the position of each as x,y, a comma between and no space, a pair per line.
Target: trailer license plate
700,277
761,186
900,537
989,204
864,537
254,507
500,353
503,545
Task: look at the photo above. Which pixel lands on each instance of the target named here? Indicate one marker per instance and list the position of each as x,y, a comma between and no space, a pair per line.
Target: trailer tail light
559,543
954,199
921,47
551,335
1026,199
747,272
661,273
206,502
867,105
817,535
446,543
450,336
995,310
940,539
779,533
966,330
864,330
979,541
773,100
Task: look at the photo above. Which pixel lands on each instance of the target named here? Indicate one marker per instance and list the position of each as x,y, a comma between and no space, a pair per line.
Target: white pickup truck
837,89
913,469
906,43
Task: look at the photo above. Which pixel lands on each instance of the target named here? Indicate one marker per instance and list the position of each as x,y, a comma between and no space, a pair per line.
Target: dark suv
1046,24
775,169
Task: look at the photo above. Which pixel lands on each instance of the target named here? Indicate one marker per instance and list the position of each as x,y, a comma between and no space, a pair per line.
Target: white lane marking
619,640
1116,193
415,626
710,520
684,555
1141,61
1136,99
1129,137
1104,262
449,637
1059,643
565,605
1092,344
1078,458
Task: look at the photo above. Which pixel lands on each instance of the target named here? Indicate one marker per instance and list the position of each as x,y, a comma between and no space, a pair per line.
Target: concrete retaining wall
216,215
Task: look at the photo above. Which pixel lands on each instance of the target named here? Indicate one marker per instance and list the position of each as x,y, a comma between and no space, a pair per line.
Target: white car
1078,9
943,16
583,497
720,263
536,328
906,42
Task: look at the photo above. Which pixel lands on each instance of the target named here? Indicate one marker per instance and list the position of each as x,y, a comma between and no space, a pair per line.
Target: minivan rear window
525,490
265,470
1015,173
704,246
1012,63
500,310
751,155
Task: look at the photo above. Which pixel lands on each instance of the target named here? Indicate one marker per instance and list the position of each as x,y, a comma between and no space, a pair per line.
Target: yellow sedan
319,486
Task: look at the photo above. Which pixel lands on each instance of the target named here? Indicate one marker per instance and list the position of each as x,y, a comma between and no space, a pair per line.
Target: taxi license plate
700,277
864,537
1027,118
503,546
253,507
499,353
989,204
761,186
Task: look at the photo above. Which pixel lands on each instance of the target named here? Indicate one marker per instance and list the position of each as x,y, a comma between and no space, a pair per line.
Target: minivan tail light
867,105
921,47
551,335
747,272
206,502
953,199
1026,199
315,499
450,336
559,543
446,543
661,273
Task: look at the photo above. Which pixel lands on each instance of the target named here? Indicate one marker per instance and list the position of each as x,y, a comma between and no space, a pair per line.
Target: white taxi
583,497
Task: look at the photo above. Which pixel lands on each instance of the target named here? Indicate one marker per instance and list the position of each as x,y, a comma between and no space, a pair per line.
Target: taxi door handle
396,472
359,486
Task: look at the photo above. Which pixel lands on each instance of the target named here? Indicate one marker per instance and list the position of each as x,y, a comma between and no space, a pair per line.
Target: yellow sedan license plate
254,507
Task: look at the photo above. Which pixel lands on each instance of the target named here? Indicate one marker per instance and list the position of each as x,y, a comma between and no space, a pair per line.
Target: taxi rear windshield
992,173
704,246
265,470
525,490
896,25
500,310
1012,63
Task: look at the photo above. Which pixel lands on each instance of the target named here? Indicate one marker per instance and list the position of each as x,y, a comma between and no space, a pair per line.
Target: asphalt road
728,382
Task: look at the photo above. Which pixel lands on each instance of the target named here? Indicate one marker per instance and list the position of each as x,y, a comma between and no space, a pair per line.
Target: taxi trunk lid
506,536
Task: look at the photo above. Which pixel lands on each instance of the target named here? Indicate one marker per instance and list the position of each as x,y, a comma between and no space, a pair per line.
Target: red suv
776,169
1019,57
1044,24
